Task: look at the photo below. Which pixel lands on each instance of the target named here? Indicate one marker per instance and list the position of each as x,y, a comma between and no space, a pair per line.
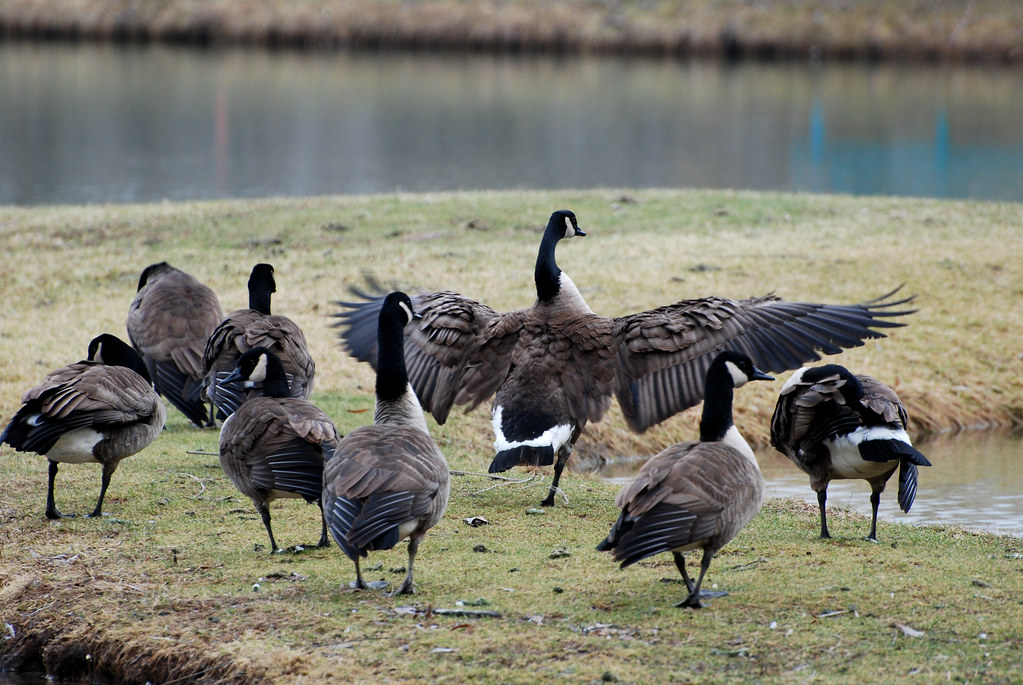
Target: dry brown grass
162,588
950,29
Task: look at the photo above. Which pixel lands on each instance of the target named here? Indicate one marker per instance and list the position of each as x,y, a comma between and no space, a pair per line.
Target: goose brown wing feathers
277,444
807,414
691,494
883,401
458,352
171,319
246,329
664,353
379,479
80,395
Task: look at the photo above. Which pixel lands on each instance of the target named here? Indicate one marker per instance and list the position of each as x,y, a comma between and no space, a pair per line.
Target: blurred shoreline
943,30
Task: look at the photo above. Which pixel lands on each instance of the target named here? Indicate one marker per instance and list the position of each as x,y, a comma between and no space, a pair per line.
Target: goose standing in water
169,322
387,481
833,424
554,366
99,410
694,495
245,329
274,445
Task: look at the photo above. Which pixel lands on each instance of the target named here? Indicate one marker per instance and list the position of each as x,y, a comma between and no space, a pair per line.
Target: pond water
975,481
96,123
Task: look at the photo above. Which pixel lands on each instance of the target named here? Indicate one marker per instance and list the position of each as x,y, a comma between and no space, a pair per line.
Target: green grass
162,588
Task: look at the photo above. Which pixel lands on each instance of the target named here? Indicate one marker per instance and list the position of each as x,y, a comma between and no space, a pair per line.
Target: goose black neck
261,287
717,404
276,382
149,271
112,351
547,273
392,377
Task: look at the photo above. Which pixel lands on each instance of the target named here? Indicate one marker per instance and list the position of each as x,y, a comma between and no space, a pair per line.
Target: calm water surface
93,123
975,481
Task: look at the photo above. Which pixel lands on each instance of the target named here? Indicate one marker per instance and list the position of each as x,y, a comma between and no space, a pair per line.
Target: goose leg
407,588
680,563
358,584
693,600
875,500
563,454
324,540
51,506
264,513
559,466
822,500
108,470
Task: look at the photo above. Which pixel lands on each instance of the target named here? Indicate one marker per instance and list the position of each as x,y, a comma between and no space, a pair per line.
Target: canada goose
274,445
245,329
694,495
99,410
169,322
387,481
555,365
833,424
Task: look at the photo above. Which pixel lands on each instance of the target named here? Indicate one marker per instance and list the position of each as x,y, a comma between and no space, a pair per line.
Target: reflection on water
93,123
975,481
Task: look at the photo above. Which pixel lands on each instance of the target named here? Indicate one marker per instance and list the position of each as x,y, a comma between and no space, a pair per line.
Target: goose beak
759,375
579,232
233,376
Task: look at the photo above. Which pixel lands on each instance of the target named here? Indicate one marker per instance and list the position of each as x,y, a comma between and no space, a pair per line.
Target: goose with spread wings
555,365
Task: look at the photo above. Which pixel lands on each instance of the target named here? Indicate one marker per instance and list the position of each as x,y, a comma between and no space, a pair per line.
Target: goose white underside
76,447
696,544
555,436
846,461
406,529
282,494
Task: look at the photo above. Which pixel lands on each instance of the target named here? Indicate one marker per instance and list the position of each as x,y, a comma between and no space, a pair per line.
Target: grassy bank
990,30
166,586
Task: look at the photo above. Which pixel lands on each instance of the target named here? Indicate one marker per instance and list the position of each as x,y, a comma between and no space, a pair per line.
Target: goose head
261,286
112,351
259,366
728,370
152,273
740,368
548,276
850,390
397,310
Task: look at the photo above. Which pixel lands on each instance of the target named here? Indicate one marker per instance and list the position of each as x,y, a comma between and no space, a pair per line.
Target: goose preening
833,424
555,365
274,445
101,409
389,480
169,322
245,329
694,495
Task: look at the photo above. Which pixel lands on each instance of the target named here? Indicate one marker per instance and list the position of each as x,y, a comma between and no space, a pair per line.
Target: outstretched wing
458,352
664,353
